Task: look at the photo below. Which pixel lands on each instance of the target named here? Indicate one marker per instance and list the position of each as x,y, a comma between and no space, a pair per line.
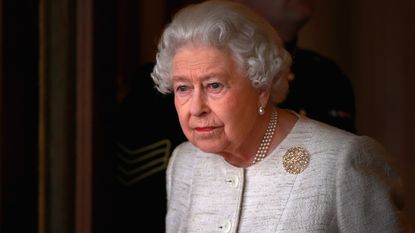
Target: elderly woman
249,166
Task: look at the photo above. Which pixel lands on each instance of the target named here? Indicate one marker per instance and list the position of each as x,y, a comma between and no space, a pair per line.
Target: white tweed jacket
339,191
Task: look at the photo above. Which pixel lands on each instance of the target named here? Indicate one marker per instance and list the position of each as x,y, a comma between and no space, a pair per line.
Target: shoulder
323,134
340,145
359,173
184,155
353,154
349,146
185,161
182,162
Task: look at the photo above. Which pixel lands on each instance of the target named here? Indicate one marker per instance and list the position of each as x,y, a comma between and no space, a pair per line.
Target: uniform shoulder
309,55
314,62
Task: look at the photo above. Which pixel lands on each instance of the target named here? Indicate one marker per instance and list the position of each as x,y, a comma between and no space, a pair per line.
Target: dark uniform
320,90
148,129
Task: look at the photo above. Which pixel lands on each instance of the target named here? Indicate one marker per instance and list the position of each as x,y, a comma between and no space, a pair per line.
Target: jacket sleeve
365,184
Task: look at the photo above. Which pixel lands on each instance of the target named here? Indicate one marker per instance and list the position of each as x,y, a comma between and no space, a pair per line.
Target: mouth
205,129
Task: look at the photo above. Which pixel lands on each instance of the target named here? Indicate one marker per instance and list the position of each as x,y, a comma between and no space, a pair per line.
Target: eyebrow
203,78
178,78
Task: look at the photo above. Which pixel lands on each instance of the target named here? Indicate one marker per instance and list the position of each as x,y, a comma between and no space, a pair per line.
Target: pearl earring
261,110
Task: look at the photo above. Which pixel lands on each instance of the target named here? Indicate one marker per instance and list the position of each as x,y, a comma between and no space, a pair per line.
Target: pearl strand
266,140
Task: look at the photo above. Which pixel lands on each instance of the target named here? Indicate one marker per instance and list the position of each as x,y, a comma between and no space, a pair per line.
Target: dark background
65,67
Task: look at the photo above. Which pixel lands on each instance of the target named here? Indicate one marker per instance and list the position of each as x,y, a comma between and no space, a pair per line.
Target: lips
205,129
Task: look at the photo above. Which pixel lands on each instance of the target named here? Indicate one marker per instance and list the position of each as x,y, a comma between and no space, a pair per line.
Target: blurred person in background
319,89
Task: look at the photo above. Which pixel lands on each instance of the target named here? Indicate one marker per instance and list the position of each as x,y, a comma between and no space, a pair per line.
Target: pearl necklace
266,140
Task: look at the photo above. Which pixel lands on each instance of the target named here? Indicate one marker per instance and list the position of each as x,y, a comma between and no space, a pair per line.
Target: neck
240,158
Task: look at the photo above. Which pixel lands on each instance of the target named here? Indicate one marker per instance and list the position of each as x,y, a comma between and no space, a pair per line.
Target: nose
198,104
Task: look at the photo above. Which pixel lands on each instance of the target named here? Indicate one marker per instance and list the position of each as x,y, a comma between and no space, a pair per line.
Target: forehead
201,59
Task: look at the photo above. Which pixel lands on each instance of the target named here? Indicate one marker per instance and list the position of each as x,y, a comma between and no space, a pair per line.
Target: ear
263,97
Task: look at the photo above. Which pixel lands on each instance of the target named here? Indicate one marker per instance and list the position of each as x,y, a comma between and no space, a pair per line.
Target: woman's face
216,104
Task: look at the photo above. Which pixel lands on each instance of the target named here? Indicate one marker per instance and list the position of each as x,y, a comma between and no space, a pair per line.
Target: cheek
181,112
241,111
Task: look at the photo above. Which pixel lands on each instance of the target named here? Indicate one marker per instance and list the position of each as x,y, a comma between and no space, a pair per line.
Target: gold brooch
295,160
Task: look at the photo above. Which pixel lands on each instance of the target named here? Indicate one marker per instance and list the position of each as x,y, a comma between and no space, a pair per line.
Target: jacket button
233,181
226,226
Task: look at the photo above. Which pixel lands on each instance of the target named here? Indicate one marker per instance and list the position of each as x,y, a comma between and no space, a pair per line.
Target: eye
215,86
182,88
